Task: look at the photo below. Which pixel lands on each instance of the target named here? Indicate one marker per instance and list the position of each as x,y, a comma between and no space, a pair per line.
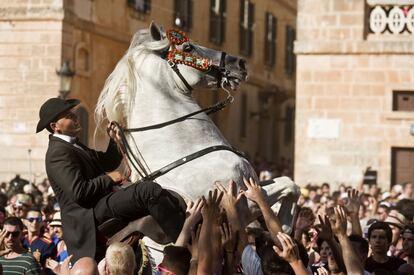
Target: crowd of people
62,225
343,231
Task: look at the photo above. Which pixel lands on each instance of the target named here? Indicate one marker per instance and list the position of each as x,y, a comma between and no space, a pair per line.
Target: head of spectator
272,264
407,190
397,222
360,246
84,266
408,240
333,267
406,207
33,221
56,225
21,204
326,189
176,260
379,238
252,234
396,190
324,250
14,228
120,259
382,212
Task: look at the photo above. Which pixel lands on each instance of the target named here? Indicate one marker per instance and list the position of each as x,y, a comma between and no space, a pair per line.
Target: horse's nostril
242,64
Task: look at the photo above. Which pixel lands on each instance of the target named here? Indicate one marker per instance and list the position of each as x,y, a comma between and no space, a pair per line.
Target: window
217,21
270,39
142,6
289,55
289,124
243,117
246,27
183,14
403,101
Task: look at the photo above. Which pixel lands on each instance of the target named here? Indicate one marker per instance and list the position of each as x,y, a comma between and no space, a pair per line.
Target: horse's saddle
117,230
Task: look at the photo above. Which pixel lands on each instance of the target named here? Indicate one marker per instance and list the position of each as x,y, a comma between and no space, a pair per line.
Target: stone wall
30,51
345,82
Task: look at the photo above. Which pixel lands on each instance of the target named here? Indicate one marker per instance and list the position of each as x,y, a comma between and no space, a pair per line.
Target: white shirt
68,139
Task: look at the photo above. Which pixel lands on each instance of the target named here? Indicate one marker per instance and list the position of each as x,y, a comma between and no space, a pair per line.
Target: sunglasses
38,220
162,269
14,234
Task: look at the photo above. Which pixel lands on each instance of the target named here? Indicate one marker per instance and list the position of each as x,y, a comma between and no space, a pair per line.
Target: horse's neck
159,147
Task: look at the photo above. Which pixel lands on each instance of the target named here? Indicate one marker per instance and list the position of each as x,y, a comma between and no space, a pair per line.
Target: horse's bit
175,57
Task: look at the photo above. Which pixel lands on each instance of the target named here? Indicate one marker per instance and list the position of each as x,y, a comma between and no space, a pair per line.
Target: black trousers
139,200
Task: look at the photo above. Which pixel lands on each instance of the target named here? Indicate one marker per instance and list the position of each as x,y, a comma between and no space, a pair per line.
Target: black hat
51,109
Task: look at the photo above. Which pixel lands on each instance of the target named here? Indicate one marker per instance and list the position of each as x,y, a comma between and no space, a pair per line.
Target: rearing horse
152,85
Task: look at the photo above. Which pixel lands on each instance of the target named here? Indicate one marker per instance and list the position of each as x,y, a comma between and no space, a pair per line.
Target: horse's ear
156,33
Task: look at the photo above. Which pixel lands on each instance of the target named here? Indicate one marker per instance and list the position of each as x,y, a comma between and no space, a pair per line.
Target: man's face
12,239
408,243
382,214
379,242
33,221
67,124
57,230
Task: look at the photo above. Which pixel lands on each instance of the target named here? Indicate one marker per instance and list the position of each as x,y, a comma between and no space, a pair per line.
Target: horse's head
197,65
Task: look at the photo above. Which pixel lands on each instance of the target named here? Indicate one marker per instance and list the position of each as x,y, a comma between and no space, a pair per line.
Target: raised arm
208,235
290,253
193,214
353,205
255,193
352,262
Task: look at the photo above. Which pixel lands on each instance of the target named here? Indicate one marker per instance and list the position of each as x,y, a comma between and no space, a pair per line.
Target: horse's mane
120,87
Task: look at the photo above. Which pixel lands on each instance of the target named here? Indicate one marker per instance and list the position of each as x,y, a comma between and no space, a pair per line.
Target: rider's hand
113,131
116,177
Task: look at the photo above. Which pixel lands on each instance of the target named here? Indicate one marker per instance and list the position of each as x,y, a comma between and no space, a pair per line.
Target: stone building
37,36
355,91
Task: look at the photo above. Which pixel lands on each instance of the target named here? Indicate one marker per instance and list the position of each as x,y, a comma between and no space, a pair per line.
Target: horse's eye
187,48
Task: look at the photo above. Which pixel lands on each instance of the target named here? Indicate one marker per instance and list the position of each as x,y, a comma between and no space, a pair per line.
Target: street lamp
66,75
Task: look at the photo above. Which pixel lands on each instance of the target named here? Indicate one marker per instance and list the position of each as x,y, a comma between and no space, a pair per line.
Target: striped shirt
23,264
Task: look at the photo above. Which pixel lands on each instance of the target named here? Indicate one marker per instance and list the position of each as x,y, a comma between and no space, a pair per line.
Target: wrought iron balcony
395,17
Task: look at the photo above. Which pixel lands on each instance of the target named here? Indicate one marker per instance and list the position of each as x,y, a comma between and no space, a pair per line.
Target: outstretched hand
211,209
354,202
289,251
340,223
113,131
325,232
254,191
193,212
5,251
230,196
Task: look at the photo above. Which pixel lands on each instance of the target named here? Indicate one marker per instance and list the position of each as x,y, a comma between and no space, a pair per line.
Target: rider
84,179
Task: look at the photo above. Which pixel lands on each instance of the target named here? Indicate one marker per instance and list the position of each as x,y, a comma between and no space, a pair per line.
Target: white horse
144,89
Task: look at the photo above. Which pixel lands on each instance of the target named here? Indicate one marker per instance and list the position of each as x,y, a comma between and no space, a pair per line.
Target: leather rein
173,58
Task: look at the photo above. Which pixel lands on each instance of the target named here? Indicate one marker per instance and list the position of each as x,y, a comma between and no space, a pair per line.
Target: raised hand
4,251
211,209
340,223
228,239
193,212
321,271
230,196
325,232
354,202
305,220
195,235
254,191
289,251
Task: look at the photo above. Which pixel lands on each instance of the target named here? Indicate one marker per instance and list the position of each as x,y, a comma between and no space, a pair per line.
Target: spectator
119,260
380,238
41,247
407,191
397,222
62,250
382,212
17,260
408,247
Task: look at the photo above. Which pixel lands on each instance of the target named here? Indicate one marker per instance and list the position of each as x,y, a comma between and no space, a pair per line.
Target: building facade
37,36
355,91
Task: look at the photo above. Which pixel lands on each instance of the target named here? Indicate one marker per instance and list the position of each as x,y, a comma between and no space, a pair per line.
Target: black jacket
78,179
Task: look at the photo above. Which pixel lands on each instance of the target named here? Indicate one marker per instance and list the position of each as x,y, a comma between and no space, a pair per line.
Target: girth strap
188,158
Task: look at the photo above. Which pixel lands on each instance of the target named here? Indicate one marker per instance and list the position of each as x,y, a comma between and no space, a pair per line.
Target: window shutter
289,55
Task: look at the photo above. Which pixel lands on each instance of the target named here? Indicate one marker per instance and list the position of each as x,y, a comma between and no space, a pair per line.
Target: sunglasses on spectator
14,234
38,220
163,269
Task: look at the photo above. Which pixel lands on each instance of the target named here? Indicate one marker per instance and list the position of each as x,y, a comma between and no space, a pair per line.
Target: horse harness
175,57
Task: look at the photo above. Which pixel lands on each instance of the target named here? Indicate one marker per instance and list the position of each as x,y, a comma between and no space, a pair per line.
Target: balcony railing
394,17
